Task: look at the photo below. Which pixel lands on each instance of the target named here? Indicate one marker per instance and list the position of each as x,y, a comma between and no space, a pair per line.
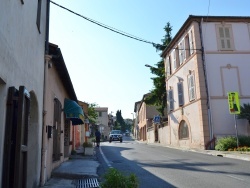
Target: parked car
115,135
127,133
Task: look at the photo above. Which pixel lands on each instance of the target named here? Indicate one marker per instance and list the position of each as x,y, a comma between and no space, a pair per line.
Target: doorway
16,138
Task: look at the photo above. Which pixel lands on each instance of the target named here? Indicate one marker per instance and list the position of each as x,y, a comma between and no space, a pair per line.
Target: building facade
84,129
62,114
136,120
22,49
207,58
147,131
103,121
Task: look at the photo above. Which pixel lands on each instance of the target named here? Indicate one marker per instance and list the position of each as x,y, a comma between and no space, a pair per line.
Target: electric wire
107,27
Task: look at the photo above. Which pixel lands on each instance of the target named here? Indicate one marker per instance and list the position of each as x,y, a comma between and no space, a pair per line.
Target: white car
115,135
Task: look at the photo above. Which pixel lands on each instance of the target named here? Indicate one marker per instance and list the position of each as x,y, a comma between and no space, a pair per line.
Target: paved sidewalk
77,169
228,154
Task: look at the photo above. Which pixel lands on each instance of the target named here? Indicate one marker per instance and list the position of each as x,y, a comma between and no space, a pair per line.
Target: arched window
183,130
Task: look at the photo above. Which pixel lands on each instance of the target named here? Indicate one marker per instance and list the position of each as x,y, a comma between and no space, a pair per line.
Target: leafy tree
120,121
92,114
244,112
158,95
117,126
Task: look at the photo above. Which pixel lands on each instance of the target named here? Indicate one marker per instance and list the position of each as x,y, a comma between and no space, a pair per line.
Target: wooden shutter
10,138
167,67
174,59
171,100
57,130
225,37
180,93
187,50
22,138
191,45
191,87
66,137
182,56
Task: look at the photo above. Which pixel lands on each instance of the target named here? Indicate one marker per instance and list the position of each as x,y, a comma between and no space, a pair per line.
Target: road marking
208,169
105,159
225,175
235,177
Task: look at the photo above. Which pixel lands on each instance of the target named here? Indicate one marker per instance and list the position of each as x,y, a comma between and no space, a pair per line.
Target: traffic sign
233,102
157,119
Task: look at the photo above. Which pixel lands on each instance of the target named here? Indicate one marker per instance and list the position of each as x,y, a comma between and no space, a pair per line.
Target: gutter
46,61
208,102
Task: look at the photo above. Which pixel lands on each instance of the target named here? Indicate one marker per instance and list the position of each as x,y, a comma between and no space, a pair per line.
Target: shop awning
74,112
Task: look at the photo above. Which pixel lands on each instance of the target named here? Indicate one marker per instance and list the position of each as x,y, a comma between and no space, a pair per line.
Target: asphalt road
163,167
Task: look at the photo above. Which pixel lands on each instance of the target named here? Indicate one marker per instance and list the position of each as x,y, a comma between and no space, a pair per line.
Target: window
191,43
183,130
38,17
182,54
171,100
191,87
168,66
100,114
174,59
224,37
180,93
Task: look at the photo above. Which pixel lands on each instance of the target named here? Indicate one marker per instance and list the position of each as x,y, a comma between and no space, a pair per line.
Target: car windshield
116,132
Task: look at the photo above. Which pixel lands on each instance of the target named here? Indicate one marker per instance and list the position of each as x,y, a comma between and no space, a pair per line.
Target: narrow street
158,166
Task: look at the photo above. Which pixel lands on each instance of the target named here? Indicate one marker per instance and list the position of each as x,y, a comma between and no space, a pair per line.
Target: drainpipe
206,83
46,62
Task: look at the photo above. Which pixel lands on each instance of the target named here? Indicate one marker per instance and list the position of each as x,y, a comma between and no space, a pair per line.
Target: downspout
208,102
46,62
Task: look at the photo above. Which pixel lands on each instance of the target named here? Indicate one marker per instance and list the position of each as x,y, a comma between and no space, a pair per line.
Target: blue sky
107,68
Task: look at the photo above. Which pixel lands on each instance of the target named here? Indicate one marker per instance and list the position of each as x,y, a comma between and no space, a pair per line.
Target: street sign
233,102
157,119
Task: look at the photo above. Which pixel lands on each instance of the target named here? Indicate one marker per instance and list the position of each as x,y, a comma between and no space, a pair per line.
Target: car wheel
120,140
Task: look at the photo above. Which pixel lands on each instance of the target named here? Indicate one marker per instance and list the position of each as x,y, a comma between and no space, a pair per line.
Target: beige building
22,49
147,130
84,128
136,120
207,58
103,121
61,114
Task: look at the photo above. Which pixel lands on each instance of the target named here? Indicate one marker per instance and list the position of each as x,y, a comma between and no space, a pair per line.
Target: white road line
208,169
235,177
225,175
105,159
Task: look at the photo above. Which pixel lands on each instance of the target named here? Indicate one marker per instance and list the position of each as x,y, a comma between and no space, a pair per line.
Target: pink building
207,58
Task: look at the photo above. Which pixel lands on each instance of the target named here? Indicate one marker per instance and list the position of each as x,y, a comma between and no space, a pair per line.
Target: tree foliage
120,123
244,112
158,95
92,114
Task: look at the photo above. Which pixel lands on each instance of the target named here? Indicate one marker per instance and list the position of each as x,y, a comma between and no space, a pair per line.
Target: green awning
74,112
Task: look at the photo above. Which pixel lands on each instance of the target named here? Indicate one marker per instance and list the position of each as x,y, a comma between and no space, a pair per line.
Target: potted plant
87,148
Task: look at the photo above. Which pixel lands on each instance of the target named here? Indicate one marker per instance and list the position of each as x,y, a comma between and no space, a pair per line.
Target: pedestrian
97,137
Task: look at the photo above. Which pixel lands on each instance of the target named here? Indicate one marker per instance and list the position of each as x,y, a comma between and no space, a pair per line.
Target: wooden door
16,138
